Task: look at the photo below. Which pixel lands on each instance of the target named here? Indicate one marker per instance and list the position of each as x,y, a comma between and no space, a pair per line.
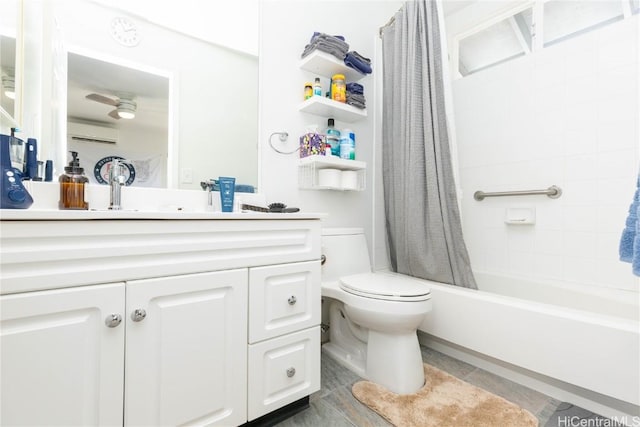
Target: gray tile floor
334,405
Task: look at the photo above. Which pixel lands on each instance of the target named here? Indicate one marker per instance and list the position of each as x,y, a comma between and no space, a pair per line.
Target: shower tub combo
588,338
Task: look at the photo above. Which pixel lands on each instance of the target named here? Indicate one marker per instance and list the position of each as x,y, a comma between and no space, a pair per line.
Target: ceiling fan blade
102,99
114,114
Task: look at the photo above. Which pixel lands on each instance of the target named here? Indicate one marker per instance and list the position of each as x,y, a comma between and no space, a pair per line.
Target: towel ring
283,136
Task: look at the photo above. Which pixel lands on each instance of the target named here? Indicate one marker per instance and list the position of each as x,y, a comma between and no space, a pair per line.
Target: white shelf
333,162
308,169
325,107
327,65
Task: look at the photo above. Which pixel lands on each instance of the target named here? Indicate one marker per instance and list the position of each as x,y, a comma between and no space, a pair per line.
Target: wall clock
125,31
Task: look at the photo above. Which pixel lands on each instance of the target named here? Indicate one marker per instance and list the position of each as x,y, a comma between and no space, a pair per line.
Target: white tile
580,167
549,217
581,61
547,267
581,89
580,141
579,218
616,164
580,244
581,116
616,53
612,218
618,81
550,98
521,238
549,242
607,246
579,269
580,193
615,192
520,263
620,108
617,275
618,135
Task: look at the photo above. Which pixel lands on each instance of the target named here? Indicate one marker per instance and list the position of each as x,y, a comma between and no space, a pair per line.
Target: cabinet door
186,357
61,363
283,299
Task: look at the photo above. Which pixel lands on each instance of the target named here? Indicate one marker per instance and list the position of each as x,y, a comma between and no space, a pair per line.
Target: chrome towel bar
553,192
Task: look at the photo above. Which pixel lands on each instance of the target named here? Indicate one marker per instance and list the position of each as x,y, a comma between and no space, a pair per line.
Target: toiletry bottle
338,88
72,186
308,91
333,137
317,87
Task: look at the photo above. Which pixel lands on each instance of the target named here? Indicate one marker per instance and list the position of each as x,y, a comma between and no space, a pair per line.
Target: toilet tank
346,253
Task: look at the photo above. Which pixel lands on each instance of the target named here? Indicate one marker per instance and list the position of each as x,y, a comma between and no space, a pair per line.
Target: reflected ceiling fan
125,105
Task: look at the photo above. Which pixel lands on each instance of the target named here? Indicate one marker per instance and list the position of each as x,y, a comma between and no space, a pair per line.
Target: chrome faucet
116,181
208,186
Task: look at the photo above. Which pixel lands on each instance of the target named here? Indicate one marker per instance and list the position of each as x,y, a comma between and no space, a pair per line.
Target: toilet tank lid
341,231
385,285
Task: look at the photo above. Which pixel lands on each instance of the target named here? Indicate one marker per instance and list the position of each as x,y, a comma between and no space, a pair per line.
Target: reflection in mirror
113,110
7,72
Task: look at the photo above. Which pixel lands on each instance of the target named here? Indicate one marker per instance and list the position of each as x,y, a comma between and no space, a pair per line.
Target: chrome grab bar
553,192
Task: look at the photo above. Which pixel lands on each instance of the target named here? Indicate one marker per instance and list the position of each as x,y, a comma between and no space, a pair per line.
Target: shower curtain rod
389,23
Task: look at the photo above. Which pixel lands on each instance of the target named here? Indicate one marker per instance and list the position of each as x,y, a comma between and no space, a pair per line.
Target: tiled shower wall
567,115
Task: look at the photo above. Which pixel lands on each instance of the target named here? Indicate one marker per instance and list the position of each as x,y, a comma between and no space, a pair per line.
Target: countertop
65,215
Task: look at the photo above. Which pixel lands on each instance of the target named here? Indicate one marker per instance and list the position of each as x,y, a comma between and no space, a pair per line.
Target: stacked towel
334,45
358,62
355,95
355,88
630,240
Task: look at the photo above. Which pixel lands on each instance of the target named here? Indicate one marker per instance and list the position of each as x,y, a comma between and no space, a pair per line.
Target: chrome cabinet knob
291,372
138,315
292,300
113,320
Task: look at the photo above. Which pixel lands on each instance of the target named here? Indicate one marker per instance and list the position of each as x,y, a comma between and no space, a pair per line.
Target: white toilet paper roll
349,180
330,178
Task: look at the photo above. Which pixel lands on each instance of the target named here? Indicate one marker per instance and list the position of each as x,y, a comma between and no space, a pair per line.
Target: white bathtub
586,337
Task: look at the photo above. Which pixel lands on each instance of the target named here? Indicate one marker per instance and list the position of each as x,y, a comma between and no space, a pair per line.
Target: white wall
567,115
287,27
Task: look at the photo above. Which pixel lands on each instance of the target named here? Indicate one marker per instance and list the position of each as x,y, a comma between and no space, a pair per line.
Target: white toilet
373,317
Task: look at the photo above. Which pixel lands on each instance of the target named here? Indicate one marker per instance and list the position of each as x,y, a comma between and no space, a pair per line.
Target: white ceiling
88,75
452,6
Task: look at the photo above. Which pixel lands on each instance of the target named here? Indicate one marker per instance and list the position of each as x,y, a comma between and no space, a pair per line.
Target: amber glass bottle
72,186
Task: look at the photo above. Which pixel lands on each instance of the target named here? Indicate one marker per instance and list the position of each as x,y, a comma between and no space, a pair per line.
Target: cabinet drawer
283,370
283,299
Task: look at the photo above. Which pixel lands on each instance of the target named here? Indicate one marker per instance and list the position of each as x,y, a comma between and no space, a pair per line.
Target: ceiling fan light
126,114
126,109
9,85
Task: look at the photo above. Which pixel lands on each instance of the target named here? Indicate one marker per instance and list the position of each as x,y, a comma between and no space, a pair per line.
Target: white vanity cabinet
60,363
142,322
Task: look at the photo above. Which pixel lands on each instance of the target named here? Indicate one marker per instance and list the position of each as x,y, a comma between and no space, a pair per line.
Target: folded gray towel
356,100
327,43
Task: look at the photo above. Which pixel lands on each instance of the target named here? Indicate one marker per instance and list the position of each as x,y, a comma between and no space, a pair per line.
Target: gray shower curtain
422,217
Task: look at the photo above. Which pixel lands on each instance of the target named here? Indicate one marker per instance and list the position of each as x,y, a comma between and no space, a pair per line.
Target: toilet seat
385,287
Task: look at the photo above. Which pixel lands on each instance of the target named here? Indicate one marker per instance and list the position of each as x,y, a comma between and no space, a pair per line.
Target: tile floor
334,405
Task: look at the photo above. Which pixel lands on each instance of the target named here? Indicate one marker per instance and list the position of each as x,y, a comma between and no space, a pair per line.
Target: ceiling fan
125,105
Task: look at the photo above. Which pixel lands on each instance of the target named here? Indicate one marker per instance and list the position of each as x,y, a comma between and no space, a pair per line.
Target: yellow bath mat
443,401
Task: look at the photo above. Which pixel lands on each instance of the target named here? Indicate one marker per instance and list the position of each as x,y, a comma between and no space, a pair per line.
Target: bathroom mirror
9,87
202,97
